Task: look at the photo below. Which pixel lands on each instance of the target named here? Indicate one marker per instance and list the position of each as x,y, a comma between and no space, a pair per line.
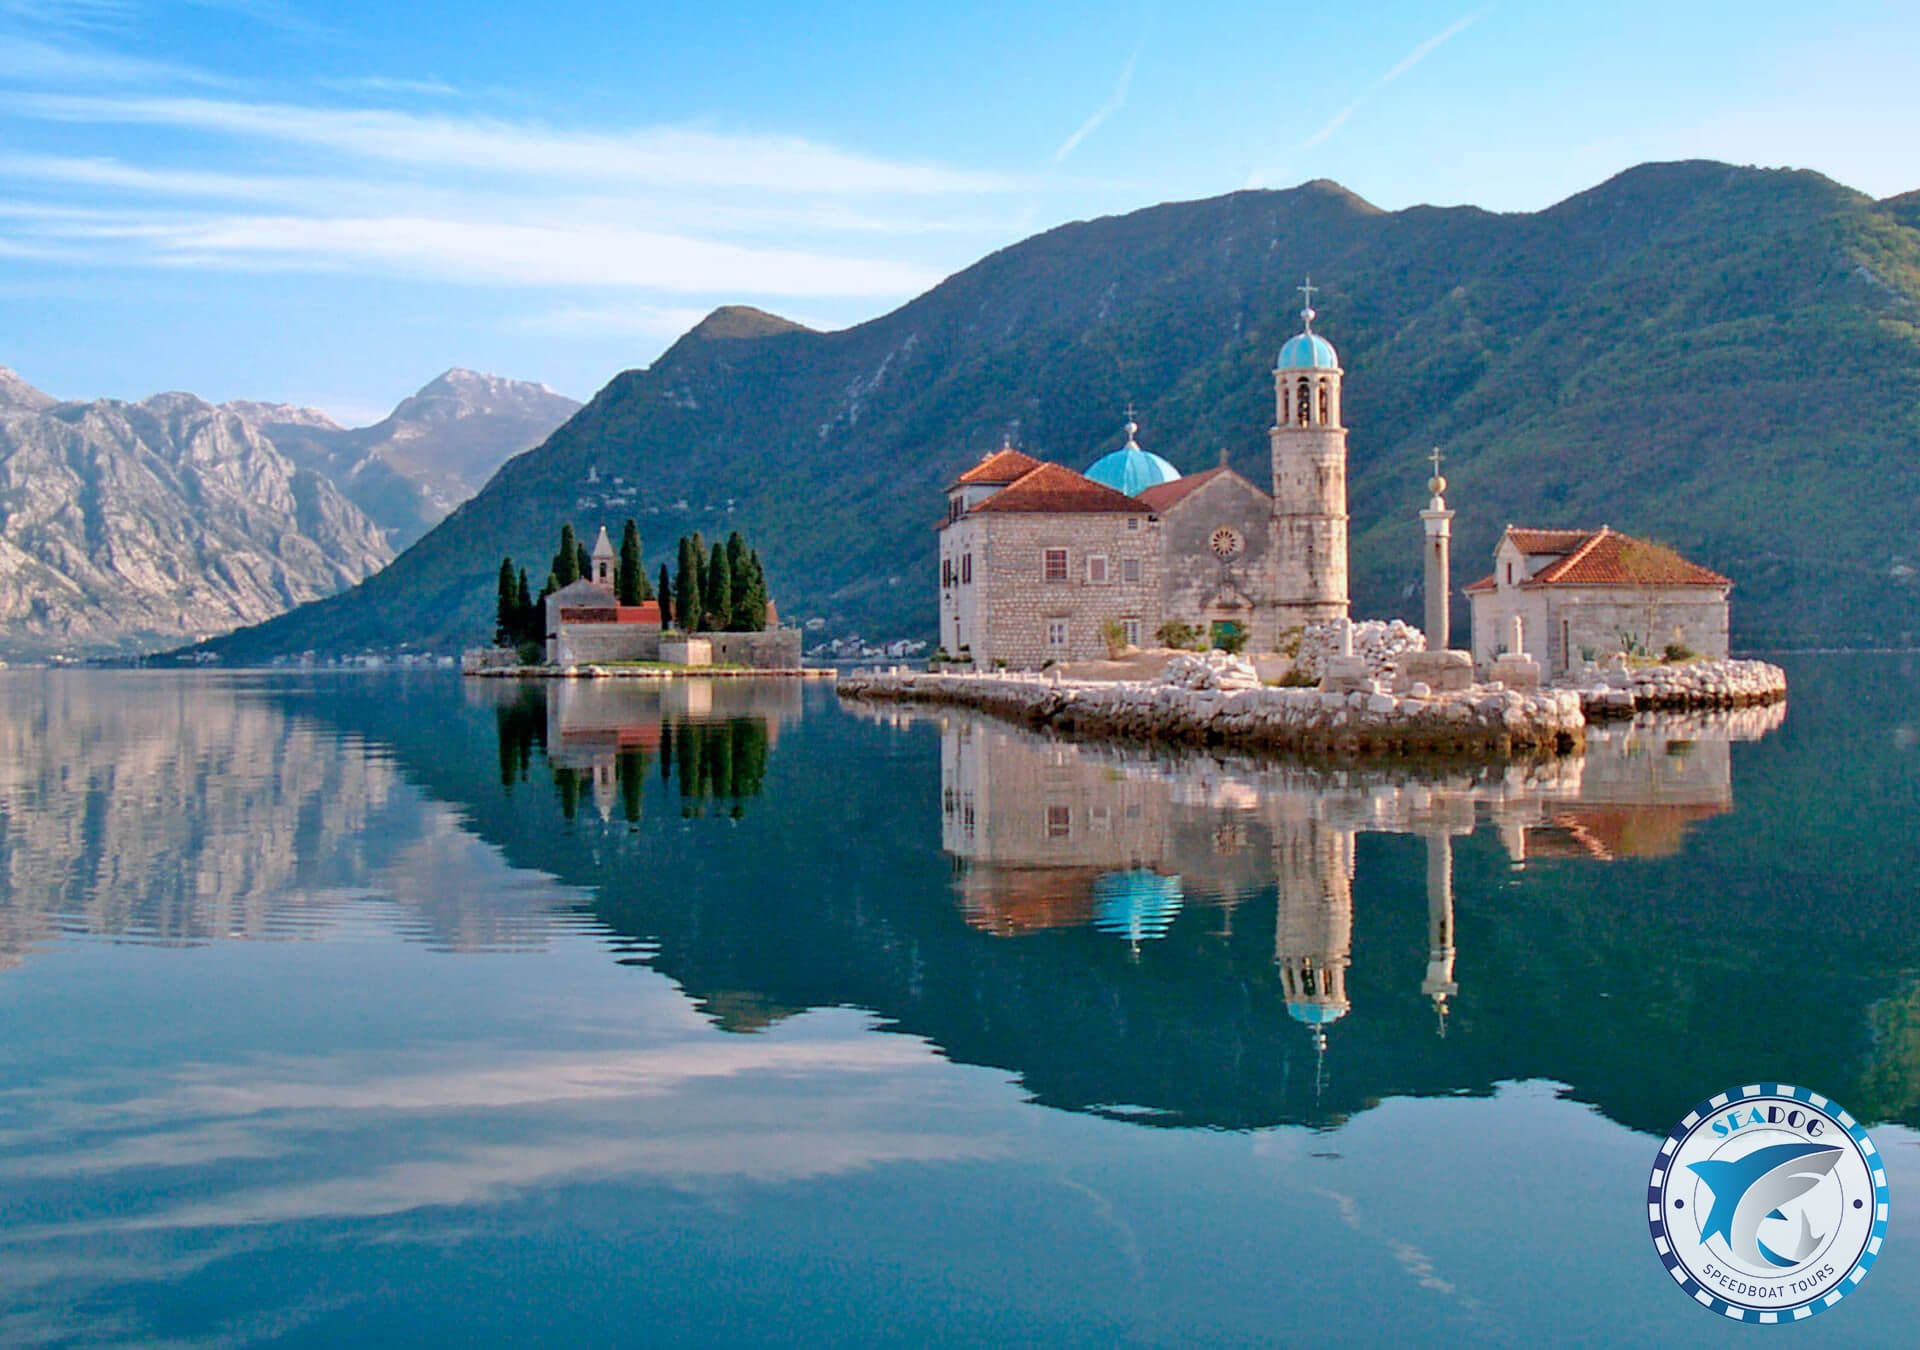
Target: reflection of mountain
1630,981
1189,925
184,811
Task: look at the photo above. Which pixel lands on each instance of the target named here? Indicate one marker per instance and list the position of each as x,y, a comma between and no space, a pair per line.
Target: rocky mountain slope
428,455
126,527
1725,359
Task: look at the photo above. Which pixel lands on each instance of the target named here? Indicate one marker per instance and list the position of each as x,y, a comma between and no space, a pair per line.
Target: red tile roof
1603,557
1610,558
1162,495
1547,541
1054,487
1002,466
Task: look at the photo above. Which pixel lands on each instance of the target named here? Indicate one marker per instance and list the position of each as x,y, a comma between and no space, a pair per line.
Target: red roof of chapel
1055,487
1603,557
1002,466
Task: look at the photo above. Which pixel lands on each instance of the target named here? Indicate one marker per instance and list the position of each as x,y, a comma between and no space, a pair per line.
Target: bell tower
1309,448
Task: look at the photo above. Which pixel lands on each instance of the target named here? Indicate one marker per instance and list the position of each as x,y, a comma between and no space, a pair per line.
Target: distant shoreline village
1053,583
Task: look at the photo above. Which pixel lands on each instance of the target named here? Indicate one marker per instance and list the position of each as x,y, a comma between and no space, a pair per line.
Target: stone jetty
1622,691
1218,699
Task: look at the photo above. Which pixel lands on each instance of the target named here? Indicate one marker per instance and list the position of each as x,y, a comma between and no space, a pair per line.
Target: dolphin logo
1750,1189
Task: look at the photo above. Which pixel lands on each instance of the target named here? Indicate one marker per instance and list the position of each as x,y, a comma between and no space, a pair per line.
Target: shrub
1294,679
1288,642
1173,633
1679,651
1114,634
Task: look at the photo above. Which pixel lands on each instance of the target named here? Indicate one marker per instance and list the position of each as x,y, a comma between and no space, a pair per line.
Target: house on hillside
1582,595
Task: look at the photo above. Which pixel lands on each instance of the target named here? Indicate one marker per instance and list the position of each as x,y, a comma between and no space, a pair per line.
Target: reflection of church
1050,834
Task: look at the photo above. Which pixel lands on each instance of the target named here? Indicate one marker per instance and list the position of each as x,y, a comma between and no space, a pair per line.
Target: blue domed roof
1130,469
1315,1014
1135,905
1308,351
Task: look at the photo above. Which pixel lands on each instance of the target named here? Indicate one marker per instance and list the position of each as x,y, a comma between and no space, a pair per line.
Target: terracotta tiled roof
1610,558
1054,487
1486,583
1002,466
1163,495
1547,541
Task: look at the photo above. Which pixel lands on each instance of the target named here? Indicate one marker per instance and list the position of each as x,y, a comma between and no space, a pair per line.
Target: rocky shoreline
1697,684
593,672
1217,700
1484,722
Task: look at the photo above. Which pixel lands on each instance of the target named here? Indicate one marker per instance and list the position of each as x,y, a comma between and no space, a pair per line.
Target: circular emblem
1768,1203
1226,542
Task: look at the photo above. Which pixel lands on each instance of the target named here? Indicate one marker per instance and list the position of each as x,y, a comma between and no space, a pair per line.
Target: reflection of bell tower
1313,928
1439,984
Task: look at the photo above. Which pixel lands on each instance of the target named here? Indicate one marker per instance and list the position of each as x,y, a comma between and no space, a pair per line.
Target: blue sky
330,204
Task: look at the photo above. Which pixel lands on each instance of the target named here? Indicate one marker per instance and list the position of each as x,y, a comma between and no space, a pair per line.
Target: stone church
1036,560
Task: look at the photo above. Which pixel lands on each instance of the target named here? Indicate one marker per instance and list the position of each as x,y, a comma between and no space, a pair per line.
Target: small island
1051,581
599,616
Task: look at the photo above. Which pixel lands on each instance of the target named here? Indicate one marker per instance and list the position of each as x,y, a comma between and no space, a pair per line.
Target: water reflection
1050,834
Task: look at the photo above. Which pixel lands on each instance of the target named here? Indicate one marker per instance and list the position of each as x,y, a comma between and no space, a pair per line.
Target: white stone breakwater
1231,709
1696,684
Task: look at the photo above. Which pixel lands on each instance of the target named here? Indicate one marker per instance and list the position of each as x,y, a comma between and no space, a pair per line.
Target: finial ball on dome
1436,485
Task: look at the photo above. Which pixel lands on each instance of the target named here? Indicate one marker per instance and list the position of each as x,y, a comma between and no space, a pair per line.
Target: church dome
1308,351
1130,469
1315,1014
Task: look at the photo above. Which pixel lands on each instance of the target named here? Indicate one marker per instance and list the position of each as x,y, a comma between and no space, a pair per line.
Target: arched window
1324,418
1286,404
1303,401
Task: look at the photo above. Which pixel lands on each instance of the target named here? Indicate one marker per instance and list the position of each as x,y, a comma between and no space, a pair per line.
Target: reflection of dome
1315,1014
1308,351
1136,905
1130,469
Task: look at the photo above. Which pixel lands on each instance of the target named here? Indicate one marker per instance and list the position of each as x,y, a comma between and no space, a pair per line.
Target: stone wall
584,643
1018,602
771,649
1197,586
1482,722
1565,623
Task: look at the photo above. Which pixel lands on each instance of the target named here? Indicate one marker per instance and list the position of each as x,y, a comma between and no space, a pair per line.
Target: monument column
1439,561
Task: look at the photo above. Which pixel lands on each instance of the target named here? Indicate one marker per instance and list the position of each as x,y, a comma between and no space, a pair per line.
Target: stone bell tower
1309,444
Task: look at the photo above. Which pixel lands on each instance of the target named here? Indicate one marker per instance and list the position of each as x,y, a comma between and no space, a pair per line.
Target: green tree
566,563
699,547
719,595
526,619
632,585
751,605
505,620
687,606
666,598
582,560
738,577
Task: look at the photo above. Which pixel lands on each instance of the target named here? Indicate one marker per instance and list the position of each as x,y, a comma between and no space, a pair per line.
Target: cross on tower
1306,309
1436,457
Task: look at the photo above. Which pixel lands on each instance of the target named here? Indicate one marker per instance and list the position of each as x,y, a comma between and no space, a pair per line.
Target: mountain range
1725,359
126,527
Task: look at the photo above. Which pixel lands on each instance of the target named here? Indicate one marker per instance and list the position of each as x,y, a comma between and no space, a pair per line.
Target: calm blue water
387,1008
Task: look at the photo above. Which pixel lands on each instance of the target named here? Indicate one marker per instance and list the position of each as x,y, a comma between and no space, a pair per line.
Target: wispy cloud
666,155
391,84
36,61
1115,102
1420,52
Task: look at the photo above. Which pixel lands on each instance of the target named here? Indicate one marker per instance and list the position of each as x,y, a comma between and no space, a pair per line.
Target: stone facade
1221,564
1014,601
769,649
1578,597
1210,549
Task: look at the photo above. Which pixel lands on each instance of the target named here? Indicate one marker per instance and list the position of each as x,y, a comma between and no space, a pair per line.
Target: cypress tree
666,599
686,597
566,563
719,596
504,616
582,560
633,586
526,619
699,547
738,578
752,605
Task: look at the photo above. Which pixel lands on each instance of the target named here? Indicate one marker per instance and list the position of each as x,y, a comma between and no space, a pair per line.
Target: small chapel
1036,560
